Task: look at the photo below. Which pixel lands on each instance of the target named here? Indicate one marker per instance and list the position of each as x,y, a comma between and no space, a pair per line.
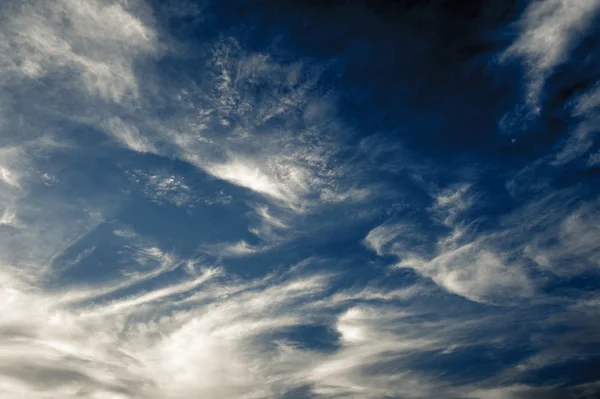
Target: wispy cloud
238,249
548,31
223,346
462,262
128,135
96,40
568,247
581,139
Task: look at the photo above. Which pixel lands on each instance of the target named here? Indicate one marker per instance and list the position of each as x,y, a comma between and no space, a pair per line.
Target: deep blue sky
299,199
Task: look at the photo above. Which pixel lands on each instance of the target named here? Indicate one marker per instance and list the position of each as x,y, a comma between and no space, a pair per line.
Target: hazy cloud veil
272,199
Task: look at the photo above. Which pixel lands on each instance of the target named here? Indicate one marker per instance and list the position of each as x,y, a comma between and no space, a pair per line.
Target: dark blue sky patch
310,337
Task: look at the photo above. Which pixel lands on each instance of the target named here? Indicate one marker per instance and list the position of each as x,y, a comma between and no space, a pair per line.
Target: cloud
451,202
568,247
370,339
380,238
97,303
477,273
476,270
554,233
128,135
548,31
524,391
279,144
588,102
504,392
8,217
581,139
173,353
250,176
8,177
10,162
594,159
156,295
162,187
63,62
98,41
215,334
474,266
220,124
238,249
209,332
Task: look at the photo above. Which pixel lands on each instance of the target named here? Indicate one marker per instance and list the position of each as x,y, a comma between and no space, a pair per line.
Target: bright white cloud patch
252,177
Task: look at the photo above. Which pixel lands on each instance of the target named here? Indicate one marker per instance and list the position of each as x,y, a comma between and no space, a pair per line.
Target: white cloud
156,295
578,143
350,195
477,273
569,246
8,177
207,334
168,188
513,391
588,102
374,293
8,217
168,327
268,218
372,339
247,175
273,225
549,30
162,187
581,139
279,145
128,135
450,203
474,266
476,270
215,335
11,166
381,236
97,40
72,349
238,249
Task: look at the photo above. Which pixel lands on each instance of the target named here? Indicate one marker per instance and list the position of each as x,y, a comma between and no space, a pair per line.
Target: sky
299,199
